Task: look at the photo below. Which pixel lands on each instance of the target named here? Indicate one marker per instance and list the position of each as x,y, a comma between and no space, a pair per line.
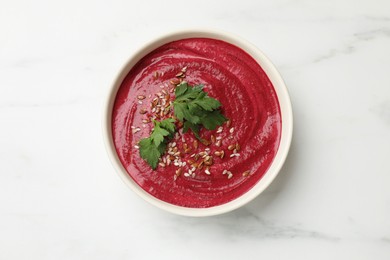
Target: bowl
284,104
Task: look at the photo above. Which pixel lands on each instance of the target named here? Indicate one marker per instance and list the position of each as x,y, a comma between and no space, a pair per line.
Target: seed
136,146
217,153
161,86
203,154
174,81
224,172
136,130
173,144
141,97
246,173
230,175
207,171
175,149
231,130
231,147
180,74
238,147
162,164
178,154
228,123
208,160
195,144
184,69
235,151
185,146
188,150
220,129
186,174
179,171
205,142
200,165
155,74
218,143
140,102
207,149
190,161
166,111
145,121
167,97
212,138
192,155
222,154
196,157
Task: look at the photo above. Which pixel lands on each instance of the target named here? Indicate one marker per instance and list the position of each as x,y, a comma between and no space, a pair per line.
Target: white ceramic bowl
285,107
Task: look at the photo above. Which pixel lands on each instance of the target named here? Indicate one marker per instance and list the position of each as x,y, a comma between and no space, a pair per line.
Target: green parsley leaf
149,152
153,147
168,124
195,108
194,128
213,119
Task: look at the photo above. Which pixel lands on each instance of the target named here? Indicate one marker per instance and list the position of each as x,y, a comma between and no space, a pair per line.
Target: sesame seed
136,130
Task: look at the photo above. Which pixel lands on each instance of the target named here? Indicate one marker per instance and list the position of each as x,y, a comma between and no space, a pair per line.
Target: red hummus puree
248,99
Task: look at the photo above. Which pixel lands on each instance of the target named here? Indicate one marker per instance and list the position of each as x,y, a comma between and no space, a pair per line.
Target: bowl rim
284,104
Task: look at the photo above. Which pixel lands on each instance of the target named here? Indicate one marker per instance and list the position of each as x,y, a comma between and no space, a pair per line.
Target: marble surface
61,199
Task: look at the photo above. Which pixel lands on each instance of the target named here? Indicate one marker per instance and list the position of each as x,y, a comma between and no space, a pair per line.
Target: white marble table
61,199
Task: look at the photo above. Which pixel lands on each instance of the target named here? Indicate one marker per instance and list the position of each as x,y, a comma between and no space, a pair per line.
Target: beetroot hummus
242,149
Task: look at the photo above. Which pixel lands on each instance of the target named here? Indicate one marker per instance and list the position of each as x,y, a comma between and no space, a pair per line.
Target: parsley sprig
195,108
153,147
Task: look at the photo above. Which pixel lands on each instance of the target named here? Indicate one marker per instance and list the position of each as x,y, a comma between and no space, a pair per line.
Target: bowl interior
285,108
